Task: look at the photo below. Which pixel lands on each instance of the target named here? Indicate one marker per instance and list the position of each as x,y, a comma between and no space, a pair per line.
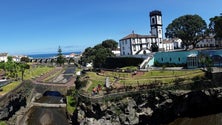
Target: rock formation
151,108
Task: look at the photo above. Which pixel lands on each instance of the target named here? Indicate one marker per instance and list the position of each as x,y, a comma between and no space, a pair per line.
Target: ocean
49,55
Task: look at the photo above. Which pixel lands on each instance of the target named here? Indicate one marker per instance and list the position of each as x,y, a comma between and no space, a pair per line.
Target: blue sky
40,26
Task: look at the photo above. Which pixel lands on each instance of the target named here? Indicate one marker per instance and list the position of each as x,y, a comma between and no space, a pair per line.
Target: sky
41,26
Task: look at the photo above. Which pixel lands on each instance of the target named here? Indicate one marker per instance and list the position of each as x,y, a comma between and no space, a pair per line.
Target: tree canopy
12,68
191,29
216,26
25,59
99,53
109,43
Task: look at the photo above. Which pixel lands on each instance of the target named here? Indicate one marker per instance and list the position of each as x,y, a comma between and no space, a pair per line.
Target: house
17,58
209,41
3,57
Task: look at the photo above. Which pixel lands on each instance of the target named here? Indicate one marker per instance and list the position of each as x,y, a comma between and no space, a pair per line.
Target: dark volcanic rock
151,108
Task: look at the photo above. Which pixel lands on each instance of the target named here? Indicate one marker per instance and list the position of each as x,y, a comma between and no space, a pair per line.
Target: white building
207,42
136,44
177,43
116,52
16,58
168,45
3,57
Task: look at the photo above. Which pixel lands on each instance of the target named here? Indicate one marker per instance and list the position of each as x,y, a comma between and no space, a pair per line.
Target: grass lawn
3,123
165,76
9,87
30,73
48,79
70,104
37,71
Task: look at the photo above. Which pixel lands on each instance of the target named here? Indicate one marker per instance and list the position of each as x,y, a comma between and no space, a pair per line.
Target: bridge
41,87
53,60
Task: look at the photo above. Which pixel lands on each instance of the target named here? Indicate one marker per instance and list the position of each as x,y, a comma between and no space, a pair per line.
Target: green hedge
118,62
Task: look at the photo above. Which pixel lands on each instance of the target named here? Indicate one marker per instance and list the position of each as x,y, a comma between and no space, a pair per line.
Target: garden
124,78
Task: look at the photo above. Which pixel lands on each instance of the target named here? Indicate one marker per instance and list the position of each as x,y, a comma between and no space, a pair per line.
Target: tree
60,58
154,47
87,56
191,29
23,67
25,59
215,26
9,58
109,43
98,54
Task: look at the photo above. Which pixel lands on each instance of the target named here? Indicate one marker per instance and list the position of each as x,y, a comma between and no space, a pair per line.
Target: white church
136,44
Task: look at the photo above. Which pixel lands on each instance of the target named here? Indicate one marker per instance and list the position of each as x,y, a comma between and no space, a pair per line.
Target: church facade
136,44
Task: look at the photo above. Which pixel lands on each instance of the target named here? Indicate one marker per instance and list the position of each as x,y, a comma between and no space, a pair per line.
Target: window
170,59
159,18
153,20
134,48
133,41
144,52
179,59
159,31
162,59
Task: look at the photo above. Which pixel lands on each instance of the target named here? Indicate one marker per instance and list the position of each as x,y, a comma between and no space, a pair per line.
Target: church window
153,20
134,48
158,18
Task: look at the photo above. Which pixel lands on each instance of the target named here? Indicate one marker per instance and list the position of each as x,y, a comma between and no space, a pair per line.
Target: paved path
69,83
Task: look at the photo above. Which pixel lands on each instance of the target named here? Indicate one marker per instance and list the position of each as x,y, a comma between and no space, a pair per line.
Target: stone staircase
144,64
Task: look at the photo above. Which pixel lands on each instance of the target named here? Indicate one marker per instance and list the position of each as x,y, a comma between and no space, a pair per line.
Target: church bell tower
156,24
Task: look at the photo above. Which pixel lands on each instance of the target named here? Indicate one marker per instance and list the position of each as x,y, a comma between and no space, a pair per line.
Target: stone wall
14,100
151,108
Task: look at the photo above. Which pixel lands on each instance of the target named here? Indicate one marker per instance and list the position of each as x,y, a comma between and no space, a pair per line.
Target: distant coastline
48,55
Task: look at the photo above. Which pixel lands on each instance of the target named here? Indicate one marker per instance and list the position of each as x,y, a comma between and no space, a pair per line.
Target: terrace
136,81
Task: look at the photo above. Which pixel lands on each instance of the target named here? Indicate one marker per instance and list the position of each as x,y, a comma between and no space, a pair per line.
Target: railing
130,90
143,65
127,90
49,105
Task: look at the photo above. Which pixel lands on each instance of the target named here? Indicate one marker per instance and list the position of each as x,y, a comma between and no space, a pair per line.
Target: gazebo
192,61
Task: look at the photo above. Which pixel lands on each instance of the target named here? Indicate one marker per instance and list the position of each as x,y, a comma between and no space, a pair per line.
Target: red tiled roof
133,35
